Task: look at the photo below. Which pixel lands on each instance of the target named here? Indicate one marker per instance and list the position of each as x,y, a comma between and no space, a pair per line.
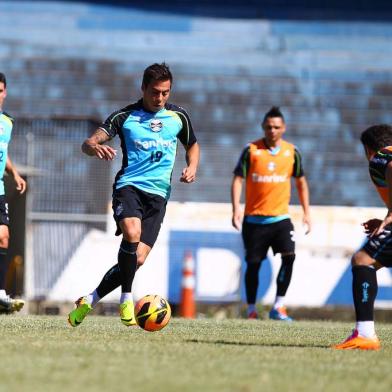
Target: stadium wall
322,274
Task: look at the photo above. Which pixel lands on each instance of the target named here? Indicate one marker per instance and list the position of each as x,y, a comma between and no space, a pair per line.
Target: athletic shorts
259,238
130,202
379,247
4,219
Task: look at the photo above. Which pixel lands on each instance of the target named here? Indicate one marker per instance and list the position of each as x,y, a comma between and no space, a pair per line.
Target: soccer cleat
83,308
127,313
357,342
10,305
253,315
279,314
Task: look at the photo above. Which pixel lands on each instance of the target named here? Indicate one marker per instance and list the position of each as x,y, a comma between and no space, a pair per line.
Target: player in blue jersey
148,130
7,304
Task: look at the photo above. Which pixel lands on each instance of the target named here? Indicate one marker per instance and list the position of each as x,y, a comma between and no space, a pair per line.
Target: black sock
364,292
127,263
284,275
252,281
109,282
3,267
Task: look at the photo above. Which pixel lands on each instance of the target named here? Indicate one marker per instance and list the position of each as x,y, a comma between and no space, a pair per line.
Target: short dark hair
157,72
377,137
3,79
273,112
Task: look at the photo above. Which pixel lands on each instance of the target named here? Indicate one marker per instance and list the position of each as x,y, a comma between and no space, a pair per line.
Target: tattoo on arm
99,137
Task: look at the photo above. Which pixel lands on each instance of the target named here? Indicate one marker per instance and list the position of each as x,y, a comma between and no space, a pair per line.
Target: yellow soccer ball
152,312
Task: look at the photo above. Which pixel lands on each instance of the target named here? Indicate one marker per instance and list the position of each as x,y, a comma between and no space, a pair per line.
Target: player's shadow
225,342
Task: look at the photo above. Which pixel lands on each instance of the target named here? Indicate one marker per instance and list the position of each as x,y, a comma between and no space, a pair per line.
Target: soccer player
267,166
7,304
377,251
148,130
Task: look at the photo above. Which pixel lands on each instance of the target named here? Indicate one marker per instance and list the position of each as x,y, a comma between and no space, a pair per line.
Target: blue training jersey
149,145
6,124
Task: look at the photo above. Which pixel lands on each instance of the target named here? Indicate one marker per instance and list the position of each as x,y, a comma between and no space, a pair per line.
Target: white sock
366,329
93,298
251,308
126,297
3,294
279,302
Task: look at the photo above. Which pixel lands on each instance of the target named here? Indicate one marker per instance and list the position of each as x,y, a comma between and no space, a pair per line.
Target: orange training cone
187,305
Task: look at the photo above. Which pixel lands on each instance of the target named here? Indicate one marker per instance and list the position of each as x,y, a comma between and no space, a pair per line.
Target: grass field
45,354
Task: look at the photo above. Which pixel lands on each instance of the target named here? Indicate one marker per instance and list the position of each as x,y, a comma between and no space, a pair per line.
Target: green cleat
10,305
83,308
127,313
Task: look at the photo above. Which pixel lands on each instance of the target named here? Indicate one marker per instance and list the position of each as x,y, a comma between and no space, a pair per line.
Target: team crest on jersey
156,125
287,153
271,166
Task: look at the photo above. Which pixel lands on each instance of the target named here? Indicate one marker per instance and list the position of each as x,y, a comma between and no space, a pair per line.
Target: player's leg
143,250
145,235
154,209
284,277
84,305
4,236
7,304
278,311
128,202
284,244
121,274
127,212
127,264
256,242
127,255
376,253
251,286
364,288
111,280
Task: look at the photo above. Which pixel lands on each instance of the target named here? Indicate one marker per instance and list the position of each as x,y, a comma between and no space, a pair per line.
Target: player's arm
94,146
192,148
302,188
240,172
236,190
192,157
303,195
388,219
19,181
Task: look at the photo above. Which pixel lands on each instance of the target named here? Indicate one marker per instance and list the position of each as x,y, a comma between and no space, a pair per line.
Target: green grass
45,354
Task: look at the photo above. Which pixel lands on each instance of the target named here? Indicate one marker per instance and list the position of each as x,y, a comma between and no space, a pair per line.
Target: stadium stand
331,77
228,71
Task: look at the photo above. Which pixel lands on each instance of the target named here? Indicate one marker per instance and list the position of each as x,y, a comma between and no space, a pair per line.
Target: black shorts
258,238
379,247
130,202
4,218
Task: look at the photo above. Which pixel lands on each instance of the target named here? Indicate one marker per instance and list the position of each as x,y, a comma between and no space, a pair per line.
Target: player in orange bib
267,166
377,251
